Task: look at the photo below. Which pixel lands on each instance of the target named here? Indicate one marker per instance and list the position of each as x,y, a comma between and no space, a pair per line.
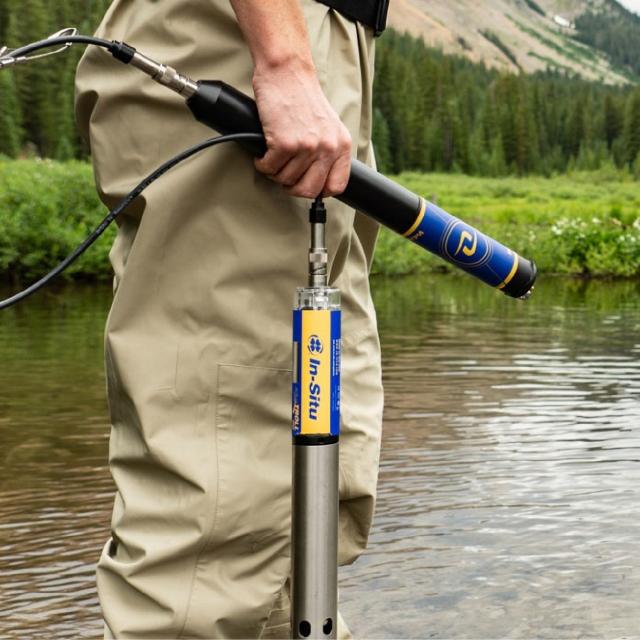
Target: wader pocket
253,427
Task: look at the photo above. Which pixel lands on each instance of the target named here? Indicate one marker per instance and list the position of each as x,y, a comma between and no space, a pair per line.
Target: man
198,338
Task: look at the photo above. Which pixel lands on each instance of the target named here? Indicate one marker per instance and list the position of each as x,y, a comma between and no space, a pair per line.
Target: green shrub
46,209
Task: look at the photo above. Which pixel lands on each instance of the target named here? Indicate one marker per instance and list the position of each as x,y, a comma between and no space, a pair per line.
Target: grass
584,224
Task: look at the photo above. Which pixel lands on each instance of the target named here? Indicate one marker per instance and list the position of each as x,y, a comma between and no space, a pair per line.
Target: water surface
509,498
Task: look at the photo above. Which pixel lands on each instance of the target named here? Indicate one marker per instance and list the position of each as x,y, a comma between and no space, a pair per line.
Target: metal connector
165,75
7,60
318,256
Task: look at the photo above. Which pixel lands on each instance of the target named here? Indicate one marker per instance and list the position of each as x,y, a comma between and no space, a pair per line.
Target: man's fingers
313,181
293,171
325,176
338,177
311,165
274,160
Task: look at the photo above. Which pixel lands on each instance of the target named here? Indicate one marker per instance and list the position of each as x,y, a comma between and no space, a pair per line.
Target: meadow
585,223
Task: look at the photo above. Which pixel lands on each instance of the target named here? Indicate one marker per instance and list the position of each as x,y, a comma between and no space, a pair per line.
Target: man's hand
309,149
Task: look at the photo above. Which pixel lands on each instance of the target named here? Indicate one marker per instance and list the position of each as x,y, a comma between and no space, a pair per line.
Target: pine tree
636,167
574,129
381,142
479,154
65,137
11,132
613,120
524,136
35,81
497,163
632,127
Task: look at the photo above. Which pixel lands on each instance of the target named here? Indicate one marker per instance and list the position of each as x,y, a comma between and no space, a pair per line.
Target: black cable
116,211
28,49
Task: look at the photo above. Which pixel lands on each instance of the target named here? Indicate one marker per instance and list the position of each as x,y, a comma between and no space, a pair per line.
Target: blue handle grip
467,248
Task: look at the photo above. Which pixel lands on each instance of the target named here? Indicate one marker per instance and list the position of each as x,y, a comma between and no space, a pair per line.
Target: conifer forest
433,112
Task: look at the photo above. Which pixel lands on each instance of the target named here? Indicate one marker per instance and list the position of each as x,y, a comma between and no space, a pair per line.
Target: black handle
227,110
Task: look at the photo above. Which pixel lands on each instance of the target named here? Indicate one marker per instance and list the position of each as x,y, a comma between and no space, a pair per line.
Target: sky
633,5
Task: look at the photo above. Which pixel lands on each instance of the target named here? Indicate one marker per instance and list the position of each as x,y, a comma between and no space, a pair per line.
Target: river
509,497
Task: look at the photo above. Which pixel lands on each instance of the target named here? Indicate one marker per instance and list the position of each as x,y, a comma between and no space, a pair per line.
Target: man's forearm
308,148
275,32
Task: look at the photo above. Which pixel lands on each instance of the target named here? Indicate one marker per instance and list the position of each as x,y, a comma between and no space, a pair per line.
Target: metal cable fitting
165,75
318,256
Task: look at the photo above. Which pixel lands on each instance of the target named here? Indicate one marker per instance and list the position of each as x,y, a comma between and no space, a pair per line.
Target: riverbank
581,224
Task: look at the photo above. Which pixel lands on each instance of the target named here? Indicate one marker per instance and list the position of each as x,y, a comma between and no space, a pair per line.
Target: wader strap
372,13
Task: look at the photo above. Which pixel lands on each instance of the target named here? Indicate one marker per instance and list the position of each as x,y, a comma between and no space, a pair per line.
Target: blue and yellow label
462,245
316,372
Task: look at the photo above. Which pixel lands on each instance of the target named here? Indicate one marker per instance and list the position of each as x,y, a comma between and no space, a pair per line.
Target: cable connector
163,74
318,212
122,51
318,257
7,61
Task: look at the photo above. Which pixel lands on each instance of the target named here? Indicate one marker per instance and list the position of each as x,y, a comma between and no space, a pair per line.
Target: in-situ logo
315,344
314,387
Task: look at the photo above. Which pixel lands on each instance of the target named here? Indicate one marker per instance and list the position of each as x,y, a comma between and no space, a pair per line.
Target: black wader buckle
372,13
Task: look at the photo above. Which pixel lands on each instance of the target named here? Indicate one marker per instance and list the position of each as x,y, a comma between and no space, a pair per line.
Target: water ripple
509,484
509,488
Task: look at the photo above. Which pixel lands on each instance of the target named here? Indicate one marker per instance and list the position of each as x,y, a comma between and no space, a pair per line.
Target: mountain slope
510,34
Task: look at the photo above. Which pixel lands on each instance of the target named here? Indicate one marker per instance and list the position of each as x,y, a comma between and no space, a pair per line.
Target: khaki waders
198,341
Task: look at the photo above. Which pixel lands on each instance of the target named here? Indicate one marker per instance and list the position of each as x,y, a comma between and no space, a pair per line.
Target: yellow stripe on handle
509,278
416,224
